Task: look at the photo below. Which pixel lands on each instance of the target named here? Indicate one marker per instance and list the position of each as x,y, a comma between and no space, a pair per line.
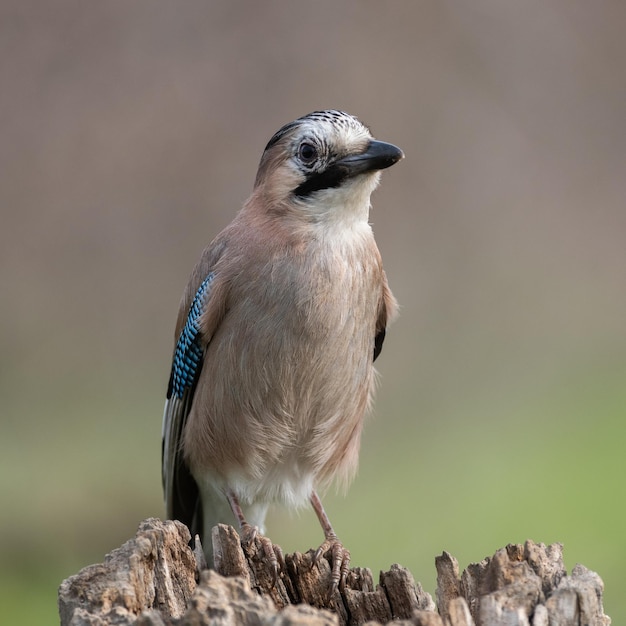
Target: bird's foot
248,533
271,553
339,560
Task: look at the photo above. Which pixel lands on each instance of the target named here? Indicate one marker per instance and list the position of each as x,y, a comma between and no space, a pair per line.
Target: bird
277,332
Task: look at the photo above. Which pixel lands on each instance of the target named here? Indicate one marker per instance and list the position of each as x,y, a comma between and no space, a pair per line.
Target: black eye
307,153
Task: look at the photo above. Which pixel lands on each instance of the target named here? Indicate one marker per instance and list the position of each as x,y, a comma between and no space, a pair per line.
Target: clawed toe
339,561
272,554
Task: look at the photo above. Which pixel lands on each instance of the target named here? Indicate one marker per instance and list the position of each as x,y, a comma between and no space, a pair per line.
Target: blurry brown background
129,136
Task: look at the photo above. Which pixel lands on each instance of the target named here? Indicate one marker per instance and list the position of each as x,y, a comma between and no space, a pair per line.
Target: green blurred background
130,135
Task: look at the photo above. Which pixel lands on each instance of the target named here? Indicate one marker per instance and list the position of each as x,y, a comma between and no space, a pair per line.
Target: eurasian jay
277,332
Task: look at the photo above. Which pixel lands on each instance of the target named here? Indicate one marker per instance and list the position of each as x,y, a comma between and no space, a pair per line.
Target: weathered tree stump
153,580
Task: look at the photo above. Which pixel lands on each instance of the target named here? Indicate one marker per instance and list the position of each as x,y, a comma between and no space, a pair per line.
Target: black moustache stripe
329,178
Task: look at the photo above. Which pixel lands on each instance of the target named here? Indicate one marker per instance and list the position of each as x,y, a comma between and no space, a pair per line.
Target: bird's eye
307,153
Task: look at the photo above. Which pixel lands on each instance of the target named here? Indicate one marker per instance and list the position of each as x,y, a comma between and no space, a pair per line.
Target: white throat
345,206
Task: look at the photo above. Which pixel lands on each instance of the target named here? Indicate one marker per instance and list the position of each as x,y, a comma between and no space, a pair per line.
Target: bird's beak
379,155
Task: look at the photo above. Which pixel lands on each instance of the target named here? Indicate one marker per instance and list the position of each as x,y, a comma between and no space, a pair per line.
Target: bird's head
324,165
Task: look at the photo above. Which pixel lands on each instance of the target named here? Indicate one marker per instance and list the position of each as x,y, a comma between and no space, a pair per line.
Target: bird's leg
340,557
249,534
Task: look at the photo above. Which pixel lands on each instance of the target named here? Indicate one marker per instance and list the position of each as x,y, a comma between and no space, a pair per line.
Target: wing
386,312
179,487
378,342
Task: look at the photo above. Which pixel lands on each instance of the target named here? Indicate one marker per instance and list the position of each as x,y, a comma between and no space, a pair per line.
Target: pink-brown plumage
288,332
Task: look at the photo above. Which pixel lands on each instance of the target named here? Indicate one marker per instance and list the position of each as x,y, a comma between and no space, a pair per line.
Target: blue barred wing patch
189,351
